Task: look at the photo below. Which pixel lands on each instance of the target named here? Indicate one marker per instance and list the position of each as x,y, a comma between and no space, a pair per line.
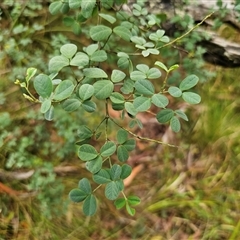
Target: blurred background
190,192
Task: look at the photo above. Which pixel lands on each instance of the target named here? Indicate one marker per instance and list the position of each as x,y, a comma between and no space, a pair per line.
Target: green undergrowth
191,192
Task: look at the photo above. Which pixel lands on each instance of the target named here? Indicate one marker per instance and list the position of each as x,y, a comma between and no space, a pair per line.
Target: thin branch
189,31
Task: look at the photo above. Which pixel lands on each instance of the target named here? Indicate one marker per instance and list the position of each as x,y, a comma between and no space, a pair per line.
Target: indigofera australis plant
116,38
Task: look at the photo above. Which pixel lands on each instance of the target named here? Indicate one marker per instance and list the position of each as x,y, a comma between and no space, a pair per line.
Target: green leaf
94,73
99,56
108,149
71,105
46,104
142,104
77,195
149,51
76,28
85,186
87,152
90,49
123,32
75,4
123,63
89,106
94,165
137,75
87,7
84,132
80,60
43,85
143,68
49,114
30,73
117,76
189,82
100,33
160,100
122,153
117,98
118,107
153,73
120,203
181,114
161,65
90,205
108,17
103,89
131,211
144,87
126,171
112,190
130,144
130,109
175,124
115,172
133,200
57,63
191,97
68,21
165,115
68,50
86,91
65,8
63,90
102,177
122,136
175,91
127,86
55,7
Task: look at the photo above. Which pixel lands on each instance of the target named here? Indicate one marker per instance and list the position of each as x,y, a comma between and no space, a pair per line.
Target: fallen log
219,51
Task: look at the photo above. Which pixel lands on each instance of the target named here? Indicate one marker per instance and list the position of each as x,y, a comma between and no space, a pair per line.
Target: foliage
129,88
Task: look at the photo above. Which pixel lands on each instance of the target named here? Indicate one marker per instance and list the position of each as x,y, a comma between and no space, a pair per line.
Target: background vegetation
187,193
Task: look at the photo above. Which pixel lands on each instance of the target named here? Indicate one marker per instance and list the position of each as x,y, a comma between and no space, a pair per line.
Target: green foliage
76,81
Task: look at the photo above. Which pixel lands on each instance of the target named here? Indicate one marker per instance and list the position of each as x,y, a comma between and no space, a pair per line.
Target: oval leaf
94,165
86,91
175,91
90,205
43,85
71,105
160,100
102,177
144,87
189,82
103,89
108,149
77,195
165,115
68,50
63,90
112,191
94,73
123,32
191,97
57,63
175,124
122,153
142,104
87,152
100,33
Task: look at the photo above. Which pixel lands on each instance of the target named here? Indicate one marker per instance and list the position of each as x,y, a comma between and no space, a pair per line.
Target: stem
144,138
189,31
